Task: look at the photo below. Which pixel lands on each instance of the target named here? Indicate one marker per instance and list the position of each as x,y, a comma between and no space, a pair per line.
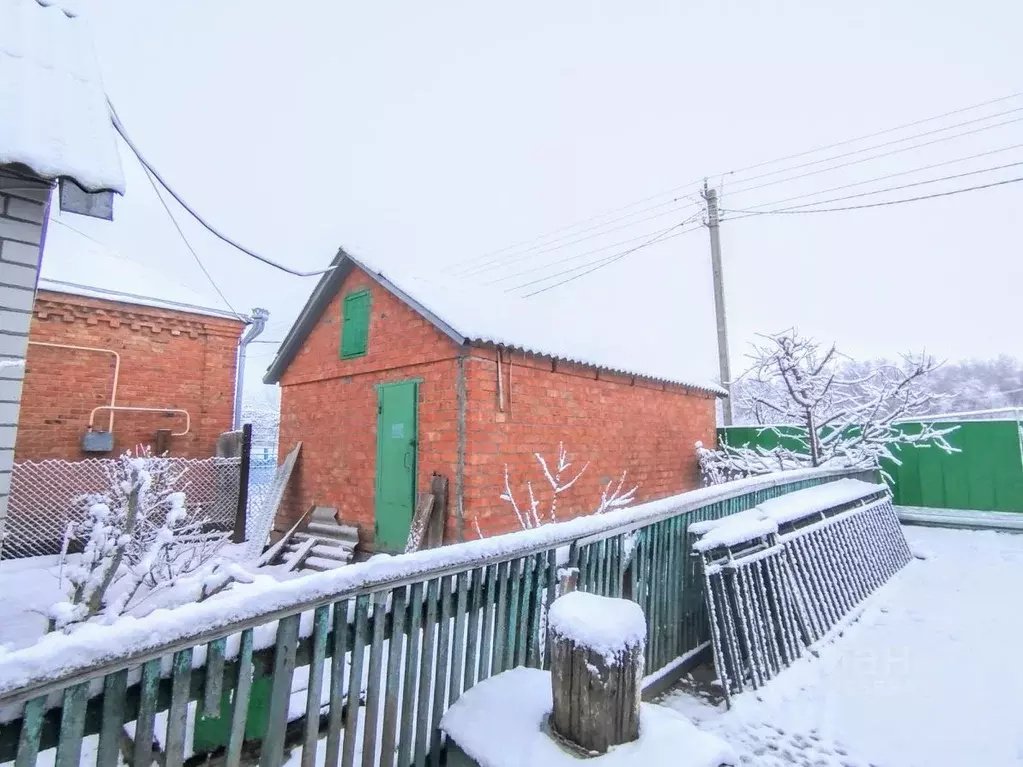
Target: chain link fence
47,495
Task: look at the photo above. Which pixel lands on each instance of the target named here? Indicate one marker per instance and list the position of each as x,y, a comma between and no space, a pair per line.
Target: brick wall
22,213
169,359
330,405
615,422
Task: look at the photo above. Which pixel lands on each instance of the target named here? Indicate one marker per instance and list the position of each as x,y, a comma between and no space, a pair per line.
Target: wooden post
597,646
439,517
238,536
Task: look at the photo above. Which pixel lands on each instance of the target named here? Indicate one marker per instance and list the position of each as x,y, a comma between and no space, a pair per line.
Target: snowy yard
928,677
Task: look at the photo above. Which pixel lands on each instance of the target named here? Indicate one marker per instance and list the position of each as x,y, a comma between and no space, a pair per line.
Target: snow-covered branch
612,496
136,539
849,421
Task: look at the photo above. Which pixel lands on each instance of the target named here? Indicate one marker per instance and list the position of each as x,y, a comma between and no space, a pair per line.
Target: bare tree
851,421
612,496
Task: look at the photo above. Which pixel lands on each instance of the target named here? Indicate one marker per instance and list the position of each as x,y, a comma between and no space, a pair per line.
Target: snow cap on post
605,625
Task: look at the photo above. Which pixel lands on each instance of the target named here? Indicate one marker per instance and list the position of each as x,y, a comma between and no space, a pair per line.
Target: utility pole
713,223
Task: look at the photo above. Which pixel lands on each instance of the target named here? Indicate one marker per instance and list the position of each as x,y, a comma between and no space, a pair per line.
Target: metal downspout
259,318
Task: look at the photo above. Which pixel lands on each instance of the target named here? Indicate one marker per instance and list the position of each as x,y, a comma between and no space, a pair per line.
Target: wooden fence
387,646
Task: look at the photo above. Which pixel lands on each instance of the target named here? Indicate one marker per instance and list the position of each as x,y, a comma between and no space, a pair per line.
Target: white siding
21,230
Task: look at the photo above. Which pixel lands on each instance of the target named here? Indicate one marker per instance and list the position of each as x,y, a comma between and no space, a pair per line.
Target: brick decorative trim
51,306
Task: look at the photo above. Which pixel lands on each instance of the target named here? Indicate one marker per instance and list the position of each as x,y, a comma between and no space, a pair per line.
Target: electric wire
119,127
746,214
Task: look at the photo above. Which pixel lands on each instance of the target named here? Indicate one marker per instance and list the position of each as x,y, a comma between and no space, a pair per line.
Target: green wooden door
396,463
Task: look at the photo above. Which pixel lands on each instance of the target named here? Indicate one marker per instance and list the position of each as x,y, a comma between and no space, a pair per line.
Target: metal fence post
238,536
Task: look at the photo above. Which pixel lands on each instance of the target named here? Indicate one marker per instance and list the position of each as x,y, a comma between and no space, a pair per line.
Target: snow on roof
68,266
554,328
55,118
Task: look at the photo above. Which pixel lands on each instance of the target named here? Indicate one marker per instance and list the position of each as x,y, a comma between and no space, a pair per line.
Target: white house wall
22,213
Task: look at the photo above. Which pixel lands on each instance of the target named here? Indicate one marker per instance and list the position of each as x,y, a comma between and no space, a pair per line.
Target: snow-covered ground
928,677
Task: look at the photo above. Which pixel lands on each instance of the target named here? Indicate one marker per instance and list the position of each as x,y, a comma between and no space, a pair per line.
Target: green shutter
355,324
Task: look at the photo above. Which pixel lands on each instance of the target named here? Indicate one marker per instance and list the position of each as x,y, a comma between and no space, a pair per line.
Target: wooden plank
412,665
321,627
213,681
552,584
440,679
271,553
426,678
526,601
486,635
298,556
376,660
177,714
272,752
388,738
501,620
533,658
359,637
280,484
435,531
31,727
115,687
339,636
458,665
473,628
72,725
242,689
515,578
420,521
143,751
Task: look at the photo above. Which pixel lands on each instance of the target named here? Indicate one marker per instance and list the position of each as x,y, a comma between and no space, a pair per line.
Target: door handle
408,464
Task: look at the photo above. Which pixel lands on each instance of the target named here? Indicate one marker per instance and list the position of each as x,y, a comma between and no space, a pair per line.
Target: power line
903,186
601,263
743,190
567,227
527,253
198,217
879,133
586,253
188,245
802,175
875,204
885,177
884,144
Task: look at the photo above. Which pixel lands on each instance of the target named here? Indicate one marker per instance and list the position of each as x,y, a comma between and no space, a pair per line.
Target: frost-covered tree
612,495
851,421
136,539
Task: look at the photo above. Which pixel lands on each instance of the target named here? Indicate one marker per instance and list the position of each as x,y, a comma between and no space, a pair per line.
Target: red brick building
386,382
163,354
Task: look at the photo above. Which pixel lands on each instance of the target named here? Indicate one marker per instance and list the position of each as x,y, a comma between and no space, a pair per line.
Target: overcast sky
423,135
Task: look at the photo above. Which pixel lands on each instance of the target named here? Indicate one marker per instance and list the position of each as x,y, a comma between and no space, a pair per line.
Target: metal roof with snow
88,270
54,118
469,314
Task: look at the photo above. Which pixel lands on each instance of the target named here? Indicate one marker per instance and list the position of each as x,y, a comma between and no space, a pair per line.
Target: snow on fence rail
46,495
388,644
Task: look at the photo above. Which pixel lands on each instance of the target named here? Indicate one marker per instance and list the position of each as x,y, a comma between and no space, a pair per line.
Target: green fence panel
985,475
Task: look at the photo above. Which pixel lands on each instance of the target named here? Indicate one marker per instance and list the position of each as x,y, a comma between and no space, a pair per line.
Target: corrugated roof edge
328,286
104,294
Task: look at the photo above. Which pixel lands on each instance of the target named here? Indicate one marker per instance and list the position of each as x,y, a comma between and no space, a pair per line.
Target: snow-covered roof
54,115
89,270
470,313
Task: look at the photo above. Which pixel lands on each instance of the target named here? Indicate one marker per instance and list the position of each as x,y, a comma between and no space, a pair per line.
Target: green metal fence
986,475
387,646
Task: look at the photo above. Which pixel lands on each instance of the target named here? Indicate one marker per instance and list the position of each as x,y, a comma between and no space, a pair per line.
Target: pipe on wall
125,408
117,372
259,318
